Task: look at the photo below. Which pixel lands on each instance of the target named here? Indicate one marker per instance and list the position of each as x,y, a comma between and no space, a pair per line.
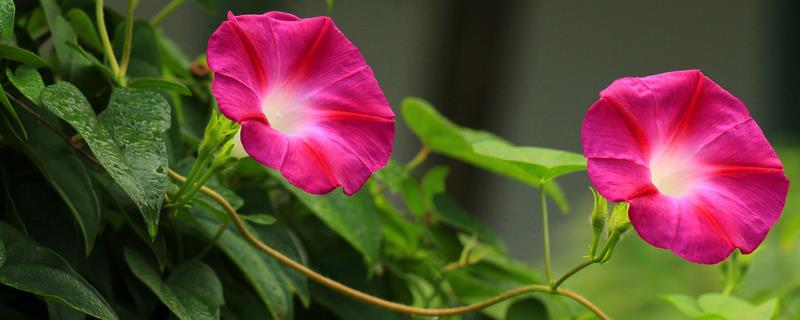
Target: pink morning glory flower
307,102
699,175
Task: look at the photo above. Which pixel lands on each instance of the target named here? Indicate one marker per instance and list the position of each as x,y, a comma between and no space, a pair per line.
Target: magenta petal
369,138
700,177
609,131
651,101
655,218
237,48
236,101
689,230
308,103
319,167
619,180
699,236
264,144
752,148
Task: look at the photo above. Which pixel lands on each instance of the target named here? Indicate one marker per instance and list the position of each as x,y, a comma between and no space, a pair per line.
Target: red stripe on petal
252,53
683,127
302,68
632,125
322,163
721,170
712,221
346,115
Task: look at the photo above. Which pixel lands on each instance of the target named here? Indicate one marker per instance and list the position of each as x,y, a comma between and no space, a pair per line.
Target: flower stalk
213,156
128,43
598,220
101,28
546,234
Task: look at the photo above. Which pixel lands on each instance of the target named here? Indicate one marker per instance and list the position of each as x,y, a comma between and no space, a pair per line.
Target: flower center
672,173
284,111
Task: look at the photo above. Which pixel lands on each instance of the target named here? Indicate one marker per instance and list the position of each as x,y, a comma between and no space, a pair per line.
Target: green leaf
68,103
527,309
137,120
398,179
7,9
273,282
7,105
491,271
85,29
447,210
88,56
173,57
542,162
160,84
192,291
685,304
32,268
399,234
2,253
18,54
60,311
442,136
354,218
262,219
70,67
28,81
433,183
66,173
733,308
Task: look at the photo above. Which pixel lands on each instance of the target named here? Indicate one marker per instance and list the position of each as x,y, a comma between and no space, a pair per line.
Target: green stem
126,46
573,271
194,180
731,276
166,11
608,250
546,233
595,244
418,159
101,28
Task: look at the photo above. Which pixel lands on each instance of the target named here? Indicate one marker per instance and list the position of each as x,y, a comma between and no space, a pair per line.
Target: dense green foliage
88,226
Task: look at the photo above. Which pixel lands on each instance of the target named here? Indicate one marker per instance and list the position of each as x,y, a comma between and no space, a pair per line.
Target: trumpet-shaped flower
699,175
308,103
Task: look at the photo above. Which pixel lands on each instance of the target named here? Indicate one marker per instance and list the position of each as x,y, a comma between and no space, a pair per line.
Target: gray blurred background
528,70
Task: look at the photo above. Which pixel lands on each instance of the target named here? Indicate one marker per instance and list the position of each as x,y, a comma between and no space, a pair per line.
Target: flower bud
619,222
599,213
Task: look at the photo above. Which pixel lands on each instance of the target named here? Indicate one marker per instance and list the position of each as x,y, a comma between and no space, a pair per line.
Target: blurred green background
528,70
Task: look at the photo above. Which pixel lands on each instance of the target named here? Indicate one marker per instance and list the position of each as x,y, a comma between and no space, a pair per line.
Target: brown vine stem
333,284
376,301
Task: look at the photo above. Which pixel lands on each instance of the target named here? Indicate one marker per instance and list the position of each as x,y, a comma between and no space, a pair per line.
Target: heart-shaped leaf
69,104
137,120
442,136
540,162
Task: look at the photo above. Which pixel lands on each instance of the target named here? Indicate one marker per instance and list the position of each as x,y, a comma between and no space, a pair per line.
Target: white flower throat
673,173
